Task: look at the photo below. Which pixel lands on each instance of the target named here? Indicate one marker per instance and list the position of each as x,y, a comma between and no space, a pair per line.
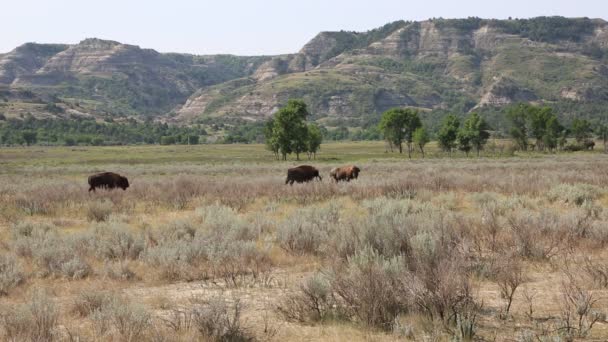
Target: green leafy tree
271,140
97,141
581,129
448,133
167,140
553,131
392,127
518,117
602,134
421,138
398,126
69,141
538,118
191,139
29,137
289,129
314,140
474,132
463,139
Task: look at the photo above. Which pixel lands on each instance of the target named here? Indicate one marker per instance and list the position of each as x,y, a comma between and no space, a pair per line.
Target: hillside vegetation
346,78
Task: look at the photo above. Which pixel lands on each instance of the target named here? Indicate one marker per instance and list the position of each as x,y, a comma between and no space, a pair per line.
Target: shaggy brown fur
108,180
301,174
345,173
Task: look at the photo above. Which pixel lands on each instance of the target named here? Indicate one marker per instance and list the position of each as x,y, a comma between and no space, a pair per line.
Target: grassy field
209,244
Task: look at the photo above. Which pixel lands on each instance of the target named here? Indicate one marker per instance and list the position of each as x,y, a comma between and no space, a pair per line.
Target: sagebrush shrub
114,241
217,320
99,211
36,320
312,302
11,274
574,193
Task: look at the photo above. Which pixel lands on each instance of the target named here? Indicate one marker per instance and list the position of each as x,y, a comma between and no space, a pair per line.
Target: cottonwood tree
602,134
517,115
581,130
421,138
448,133
288,132
271,141
474,134
398,126
315,138
30,137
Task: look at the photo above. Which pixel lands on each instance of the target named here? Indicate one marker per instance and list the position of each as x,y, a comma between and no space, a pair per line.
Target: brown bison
345,173
108,180
301,174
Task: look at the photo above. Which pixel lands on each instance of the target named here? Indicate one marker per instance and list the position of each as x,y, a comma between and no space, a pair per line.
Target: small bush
35,320
574,193
312,302
99,211
131,321
216,320
58,259
86,303
113,241
118,271
11,275
368,288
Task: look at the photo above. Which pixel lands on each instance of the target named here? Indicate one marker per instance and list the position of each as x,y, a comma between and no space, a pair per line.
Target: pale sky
244,27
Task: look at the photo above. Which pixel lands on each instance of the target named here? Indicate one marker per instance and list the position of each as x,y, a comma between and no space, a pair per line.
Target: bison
301,174
345,173
108,180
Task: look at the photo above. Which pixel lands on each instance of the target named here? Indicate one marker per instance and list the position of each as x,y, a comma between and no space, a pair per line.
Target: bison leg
91,188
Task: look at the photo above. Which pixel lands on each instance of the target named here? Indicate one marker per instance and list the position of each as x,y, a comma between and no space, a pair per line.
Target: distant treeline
79,131
541,124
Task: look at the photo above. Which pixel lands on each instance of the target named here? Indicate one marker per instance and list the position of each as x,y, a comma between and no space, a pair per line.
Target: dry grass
437,249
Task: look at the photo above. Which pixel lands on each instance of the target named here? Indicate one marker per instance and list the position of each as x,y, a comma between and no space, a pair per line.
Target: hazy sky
244,27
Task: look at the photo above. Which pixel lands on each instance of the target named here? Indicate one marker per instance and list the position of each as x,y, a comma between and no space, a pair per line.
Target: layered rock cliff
455,65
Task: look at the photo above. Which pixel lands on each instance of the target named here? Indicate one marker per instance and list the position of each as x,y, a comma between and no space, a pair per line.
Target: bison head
123,183
356,171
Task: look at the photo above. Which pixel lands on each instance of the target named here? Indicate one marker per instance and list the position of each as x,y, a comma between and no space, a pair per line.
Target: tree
412,123
421,138
288,132
448,132
193,139
474,132
270,139
314,140
553,131
97,141
517,116
463,139
69,141
29,137
398,125
581,130
392,127
300,139
167,140
538,118
602,133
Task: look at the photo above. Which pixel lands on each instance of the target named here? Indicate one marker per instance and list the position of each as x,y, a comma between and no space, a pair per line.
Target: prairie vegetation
209,244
